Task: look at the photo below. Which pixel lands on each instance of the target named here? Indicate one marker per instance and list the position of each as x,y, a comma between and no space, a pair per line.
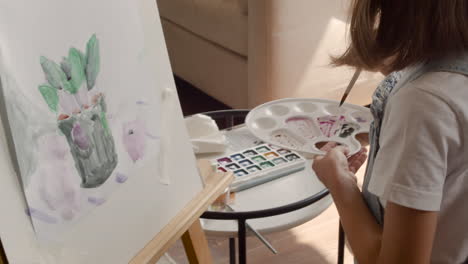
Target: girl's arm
407,235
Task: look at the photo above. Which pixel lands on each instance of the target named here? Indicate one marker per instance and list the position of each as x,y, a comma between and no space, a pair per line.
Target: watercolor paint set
304,125
259,164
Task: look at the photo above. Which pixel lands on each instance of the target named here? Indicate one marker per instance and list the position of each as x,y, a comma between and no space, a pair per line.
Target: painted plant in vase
81,112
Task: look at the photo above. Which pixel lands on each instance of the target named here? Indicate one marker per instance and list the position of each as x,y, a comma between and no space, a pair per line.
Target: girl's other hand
335,166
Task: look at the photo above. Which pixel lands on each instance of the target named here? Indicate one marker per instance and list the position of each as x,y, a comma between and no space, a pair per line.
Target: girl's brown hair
402,33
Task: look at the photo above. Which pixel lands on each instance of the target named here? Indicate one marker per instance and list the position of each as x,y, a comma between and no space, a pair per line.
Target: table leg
232,250
341,244
242,242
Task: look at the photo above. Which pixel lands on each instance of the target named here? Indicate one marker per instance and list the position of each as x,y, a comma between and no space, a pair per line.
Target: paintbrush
350,85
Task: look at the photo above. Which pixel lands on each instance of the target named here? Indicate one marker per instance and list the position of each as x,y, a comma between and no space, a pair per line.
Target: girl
412,207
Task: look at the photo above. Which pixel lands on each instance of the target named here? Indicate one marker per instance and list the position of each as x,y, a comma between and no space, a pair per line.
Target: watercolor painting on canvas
81,105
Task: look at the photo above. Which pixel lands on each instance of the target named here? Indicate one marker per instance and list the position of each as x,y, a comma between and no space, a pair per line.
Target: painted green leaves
54,74
92,61
50,96
75,76
73,67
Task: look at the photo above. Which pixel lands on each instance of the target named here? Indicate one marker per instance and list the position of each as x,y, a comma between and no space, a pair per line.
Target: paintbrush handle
351,85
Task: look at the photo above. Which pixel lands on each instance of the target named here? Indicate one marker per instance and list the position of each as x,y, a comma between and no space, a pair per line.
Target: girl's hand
335,165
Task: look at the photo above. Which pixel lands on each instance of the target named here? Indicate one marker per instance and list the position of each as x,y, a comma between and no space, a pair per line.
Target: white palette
304,124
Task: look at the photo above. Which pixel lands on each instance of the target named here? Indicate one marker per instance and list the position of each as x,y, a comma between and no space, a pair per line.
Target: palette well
303,124
259,164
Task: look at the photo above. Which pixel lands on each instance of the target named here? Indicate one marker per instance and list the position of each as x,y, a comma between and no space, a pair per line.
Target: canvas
82,107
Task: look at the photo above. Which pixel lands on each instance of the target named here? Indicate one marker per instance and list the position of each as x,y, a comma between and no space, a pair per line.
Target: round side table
274,206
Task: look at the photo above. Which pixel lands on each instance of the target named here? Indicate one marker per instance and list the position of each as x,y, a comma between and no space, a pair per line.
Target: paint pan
250,153
262,149
245,163
233,166
259,164
258,159
237,157
240,173
271,155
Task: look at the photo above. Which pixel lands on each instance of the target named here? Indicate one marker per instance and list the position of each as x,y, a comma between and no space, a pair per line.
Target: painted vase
91,144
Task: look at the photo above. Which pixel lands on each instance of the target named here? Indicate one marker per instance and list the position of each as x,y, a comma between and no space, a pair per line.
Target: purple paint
224,161
120,177
329,125
96,201
34,213
79,137
140,102
134,139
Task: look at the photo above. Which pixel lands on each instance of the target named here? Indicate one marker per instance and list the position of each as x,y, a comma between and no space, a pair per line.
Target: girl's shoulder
435,90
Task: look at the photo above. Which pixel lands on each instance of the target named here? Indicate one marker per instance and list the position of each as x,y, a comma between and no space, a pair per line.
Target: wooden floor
313,242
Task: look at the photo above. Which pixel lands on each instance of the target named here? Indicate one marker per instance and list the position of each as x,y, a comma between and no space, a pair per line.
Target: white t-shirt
423,158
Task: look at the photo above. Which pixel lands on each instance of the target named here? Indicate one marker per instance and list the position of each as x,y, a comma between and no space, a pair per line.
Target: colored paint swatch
221,169
253,168
271,155
224,161
237,157
262,149
245,163
278,161
233,166
258,159
266,165
347,129
283,151
292,157
250,153
330,125
240,173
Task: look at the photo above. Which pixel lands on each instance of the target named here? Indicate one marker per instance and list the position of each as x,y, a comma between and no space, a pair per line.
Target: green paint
77,73
104,123
66,67
55,75
96,163
83,59
92,61
50,96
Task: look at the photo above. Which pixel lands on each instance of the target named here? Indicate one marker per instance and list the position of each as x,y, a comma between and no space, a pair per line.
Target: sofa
247,52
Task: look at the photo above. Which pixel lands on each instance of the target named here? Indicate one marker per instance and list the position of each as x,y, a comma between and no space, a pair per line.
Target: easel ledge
186,224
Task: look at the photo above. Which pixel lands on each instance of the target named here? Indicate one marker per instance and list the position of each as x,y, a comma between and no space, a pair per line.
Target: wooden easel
3,259
186,225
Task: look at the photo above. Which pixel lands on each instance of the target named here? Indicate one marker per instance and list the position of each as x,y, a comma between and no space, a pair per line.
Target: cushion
223,22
